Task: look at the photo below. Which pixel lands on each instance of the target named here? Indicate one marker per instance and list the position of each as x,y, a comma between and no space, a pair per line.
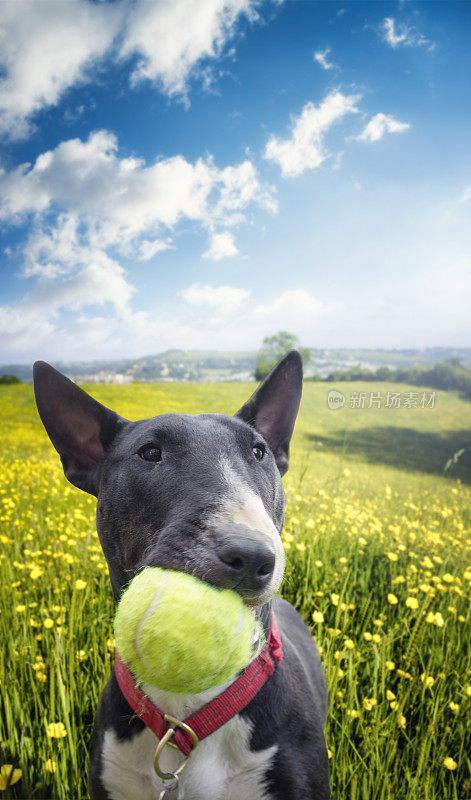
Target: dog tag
171,790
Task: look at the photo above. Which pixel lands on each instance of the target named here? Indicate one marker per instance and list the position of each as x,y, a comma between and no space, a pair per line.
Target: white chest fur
221,768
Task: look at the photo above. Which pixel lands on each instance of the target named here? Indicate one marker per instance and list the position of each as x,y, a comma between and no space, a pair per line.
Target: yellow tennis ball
181,634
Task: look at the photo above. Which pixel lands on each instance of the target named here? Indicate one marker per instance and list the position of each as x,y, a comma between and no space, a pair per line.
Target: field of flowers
377,540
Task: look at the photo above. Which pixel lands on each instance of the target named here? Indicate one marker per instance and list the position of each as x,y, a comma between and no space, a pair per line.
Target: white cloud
304,149
121,199
45,47
321,58
379,125
87,207
48,46
402,35
221,298
171,37
222,245
292,304
465,196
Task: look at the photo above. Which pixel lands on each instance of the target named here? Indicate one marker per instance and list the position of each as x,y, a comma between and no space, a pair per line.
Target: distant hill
215,366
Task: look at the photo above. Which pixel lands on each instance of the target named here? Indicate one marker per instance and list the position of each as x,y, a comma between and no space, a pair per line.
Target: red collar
215,713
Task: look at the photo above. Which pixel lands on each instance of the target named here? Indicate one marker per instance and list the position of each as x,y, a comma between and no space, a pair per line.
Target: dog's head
197,493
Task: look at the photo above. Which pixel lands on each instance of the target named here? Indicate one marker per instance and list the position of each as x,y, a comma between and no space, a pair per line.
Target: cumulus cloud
121,199
45,47
87,207
321,56
379,125
48,46
172,37
222,245
292,304
220,298
304,149
402,35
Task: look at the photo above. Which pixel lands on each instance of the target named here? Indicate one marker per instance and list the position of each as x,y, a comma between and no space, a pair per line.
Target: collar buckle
174,725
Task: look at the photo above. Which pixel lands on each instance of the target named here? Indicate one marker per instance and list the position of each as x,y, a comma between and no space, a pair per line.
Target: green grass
371,513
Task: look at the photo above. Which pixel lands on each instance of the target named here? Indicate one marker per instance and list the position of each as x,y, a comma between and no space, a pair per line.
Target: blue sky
202,173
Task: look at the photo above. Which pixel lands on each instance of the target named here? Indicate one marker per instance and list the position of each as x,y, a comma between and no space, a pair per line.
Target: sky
200,174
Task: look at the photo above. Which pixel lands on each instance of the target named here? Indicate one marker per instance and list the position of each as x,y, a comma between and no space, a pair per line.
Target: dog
201,494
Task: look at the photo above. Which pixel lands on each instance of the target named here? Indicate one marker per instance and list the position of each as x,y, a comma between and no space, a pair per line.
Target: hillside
215,366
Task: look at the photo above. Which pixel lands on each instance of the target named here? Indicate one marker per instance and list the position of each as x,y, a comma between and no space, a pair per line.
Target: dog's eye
149,452
259,451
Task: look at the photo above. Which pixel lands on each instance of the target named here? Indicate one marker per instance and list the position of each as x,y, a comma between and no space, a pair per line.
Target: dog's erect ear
79,427
273,407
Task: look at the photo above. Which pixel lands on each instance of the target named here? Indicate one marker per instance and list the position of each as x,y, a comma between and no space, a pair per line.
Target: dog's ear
79,427
273,407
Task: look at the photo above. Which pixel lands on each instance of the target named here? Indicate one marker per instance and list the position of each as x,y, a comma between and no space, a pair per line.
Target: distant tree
9,379
273,348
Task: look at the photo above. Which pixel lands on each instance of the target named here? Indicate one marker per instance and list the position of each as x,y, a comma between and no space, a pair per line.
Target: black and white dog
201,494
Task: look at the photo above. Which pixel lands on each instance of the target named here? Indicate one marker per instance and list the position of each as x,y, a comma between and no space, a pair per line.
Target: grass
376,539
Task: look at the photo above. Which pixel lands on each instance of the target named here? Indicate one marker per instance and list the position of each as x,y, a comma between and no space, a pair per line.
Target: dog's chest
222,767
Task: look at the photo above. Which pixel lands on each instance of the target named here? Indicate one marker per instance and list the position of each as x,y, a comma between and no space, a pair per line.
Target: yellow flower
318,617
50,765
48,622
110,643
80,584
367,636
401,721
353,713
318,563
468,690
449,763
390,665
369,703
376,638
80,655
56,730
392,599
9,776
454,707
412,602
349,644
392,556
427,680
36,572
19,609
390,695
335,599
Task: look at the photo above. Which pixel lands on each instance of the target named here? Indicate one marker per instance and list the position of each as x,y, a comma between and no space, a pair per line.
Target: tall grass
378,565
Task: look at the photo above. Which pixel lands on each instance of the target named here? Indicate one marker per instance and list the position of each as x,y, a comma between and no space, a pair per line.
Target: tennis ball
181,634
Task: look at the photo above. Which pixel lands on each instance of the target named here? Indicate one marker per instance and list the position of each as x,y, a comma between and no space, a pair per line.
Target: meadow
377,541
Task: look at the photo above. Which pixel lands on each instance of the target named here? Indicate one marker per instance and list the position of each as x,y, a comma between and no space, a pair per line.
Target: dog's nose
247,562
